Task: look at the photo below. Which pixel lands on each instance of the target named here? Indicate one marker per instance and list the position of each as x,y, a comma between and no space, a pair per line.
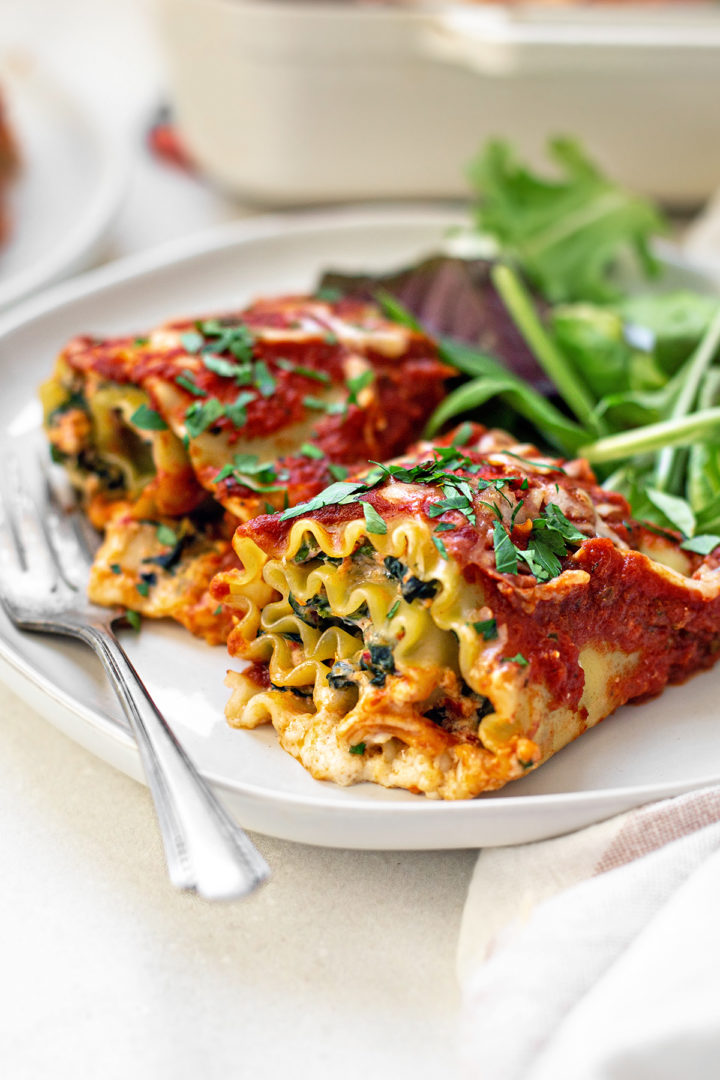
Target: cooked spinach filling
316,614
411,588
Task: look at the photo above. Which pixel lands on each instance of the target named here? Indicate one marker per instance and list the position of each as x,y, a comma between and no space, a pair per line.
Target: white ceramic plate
71,180
643,752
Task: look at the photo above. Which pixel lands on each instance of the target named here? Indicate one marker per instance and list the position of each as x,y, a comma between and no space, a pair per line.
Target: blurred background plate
306,101
69,185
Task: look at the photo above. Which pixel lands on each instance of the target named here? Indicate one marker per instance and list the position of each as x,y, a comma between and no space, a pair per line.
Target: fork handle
204,848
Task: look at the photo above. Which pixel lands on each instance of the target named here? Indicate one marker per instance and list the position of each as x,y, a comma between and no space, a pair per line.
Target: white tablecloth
342,966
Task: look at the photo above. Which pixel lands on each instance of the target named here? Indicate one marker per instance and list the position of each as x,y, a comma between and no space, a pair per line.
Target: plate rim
220,238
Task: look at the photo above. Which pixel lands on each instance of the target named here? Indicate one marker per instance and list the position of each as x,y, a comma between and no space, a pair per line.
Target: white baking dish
292,102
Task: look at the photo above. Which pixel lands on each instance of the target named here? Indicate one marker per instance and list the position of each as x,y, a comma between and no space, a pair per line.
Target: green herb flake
201,415
505,551
236,412
440,546
141,341
445,526
330,339
186,379
306,372
463,434
227,369
339,472
309,450
218,610
192,342
147,419
134,618
143,588
116,568
393,610
373,521
488,629
518,658
358,748
358,383
166,535
263,379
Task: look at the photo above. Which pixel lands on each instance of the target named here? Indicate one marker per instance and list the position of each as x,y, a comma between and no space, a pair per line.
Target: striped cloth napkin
596,955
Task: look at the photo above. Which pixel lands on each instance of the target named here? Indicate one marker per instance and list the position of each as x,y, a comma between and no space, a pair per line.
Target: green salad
572,336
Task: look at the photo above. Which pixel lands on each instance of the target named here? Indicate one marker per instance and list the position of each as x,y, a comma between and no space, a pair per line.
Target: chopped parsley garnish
440,546
463,434
228,369
148,419
143,587
532,461
358,383
201,415
330,339
250,472
308,373
186,379
134,618
518,658
263,379
393,610
166,535
551,534
237,339
488,628
236,412
141,341
309,450
395,311
374,523
358,748
339,472
192,342
332,408
505,551
115,568
337,494
445,526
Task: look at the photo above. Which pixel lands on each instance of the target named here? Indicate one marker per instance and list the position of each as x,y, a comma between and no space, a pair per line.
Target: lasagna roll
446,622
204,423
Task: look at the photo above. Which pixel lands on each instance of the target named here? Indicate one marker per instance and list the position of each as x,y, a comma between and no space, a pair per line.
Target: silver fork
44,562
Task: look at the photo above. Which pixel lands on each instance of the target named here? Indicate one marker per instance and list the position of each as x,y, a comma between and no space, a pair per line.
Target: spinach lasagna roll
446,622
174,437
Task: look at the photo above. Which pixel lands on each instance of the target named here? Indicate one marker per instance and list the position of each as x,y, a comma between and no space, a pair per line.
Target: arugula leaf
677,511
493,381
566,233
702,545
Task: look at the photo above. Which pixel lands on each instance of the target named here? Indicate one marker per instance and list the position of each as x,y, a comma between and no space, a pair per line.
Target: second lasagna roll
448,621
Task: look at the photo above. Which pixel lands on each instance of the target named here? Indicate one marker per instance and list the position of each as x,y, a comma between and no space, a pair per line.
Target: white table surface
342,966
